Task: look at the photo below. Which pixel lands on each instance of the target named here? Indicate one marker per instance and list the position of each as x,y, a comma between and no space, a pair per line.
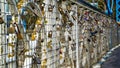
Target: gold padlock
33,37
38,22
61,57
49,44
10,55
10,44
44,62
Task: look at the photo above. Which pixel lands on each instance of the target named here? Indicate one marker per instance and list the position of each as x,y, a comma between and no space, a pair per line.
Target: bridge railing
51,34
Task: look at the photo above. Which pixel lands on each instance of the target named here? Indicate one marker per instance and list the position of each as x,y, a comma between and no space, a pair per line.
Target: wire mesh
52,34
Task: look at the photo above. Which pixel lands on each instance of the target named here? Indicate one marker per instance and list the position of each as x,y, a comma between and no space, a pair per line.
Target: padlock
33,37
1,20
42,40
62,39
49,44
57,19
38,22
10,44
44,62
58,27
50,34
10,55
60,10
11,29
69,38
61,56
1,50
50,8
70,23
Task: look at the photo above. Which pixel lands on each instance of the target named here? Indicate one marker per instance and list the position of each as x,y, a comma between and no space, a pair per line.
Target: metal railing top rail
90,7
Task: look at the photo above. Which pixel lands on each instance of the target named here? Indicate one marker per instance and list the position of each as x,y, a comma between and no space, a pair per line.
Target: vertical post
110,46
77,47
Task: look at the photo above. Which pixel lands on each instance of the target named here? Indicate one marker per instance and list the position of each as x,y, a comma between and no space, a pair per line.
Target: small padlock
33,36
60,10
69,38
58,27
38,22
44,62
10,44
70,23
50,34
10,55
1,20
49,44
50,8
62,39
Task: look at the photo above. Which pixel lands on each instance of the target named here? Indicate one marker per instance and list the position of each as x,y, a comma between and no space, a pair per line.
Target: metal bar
77,47
90,7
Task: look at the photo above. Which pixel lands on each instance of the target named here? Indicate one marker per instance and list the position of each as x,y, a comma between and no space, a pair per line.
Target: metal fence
53,34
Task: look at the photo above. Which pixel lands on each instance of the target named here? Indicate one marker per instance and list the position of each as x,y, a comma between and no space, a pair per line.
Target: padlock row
42,34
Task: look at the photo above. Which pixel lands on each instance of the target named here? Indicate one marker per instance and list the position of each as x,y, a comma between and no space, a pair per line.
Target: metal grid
51,34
